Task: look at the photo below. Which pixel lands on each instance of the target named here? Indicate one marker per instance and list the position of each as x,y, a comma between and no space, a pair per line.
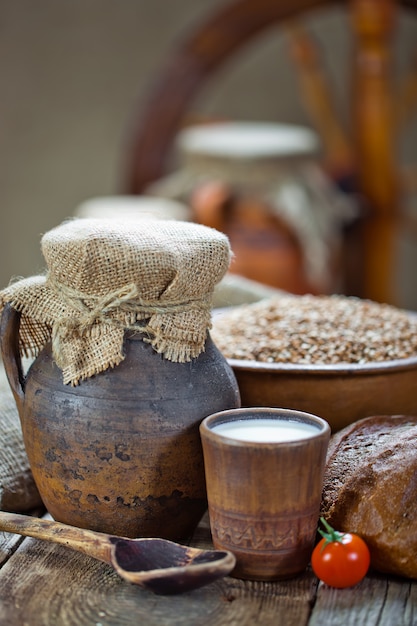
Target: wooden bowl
341,393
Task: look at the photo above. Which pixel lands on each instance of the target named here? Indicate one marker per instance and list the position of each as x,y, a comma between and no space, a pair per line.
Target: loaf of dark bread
370,488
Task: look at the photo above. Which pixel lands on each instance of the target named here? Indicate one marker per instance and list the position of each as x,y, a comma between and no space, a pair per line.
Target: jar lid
126,207
248,140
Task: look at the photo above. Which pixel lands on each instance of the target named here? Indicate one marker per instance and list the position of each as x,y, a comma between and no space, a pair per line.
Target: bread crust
370,488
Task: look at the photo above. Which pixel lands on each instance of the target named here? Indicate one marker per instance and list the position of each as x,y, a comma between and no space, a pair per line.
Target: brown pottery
121,452
341,393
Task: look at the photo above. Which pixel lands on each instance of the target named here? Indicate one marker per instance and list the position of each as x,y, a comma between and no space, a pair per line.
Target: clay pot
341,393
121,452
265,248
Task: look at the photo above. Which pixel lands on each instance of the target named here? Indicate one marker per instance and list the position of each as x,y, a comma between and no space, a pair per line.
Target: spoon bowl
162,566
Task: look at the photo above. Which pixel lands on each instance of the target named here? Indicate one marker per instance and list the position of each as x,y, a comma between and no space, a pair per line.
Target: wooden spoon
163,566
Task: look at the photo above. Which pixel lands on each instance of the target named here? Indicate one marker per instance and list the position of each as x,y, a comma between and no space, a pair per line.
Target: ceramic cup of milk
264,474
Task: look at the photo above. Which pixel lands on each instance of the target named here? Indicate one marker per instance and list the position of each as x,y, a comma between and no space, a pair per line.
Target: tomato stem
331,535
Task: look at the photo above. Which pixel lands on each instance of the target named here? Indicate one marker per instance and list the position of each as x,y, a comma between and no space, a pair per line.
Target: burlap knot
86,317
104,278
85,322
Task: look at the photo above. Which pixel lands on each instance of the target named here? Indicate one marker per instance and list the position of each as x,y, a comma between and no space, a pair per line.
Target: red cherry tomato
340,559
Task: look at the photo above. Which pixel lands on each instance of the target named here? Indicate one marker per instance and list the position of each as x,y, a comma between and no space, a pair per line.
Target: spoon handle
95,544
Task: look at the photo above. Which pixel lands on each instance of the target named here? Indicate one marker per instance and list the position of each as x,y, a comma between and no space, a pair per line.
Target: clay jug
263,186
121,452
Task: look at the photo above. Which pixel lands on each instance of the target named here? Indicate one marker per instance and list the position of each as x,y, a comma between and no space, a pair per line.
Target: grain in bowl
316,330
340,358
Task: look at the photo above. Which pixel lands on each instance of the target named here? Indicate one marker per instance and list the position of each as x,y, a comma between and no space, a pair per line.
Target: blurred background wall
73,74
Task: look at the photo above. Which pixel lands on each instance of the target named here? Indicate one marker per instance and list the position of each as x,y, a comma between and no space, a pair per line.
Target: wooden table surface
45,584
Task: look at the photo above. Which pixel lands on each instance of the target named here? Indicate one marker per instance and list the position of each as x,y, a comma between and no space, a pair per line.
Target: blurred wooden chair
368,150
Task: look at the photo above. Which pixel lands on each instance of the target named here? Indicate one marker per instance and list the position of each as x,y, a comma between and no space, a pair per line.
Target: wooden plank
48,585
9,542
376,601
43,584
8,545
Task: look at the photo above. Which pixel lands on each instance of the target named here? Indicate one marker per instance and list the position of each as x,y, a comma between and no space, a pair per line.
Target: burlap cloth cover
103,277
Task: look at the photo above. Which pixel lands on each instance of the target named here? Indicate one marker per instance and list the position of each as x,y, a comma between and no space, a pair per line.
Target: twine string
125,300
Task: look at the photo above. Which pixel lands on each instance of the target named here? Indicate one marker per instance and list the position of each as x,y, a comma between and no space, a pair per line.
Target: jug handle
9,333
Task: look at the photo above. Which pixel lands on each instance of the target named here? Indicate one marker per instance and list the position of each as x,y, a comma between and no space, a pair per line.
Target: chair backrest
373,131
